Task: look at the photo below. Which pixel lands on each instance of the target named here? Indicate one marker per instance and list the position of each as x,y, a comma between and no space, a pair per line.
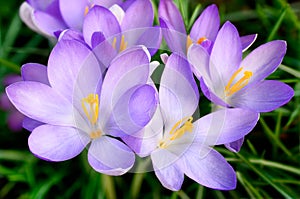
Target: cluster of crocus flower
96,91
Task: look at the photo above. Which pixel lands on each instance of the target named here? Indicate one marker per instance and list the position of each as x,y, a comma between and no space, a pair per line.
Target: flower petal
176,84
168,11
264,60
101,159
264,96
57,143
199,60
225,126
247,41
138,15
26,13
40,102
30,124
72,12
235,146
35,72
100,19
207,25
208,168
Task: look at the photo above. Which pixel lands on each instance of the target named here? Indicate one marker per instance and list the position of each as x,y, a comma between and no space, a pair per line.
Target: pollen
95,134
178,131
90,106
123,44
202,39
87,9
241,83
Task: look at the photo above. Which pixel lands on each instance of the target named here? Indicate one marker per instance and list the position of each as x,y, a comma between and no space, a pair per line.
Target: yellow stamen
95,134
90,106
123,44
189,42
114,43
87,9
241,83
202,39
178,132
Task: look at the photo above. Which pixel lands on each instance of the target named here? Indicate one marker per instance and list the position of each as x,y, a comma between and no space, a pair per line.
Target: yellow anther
114,43
95,134
90,106
202,39
87,9
189,42
123,44
178,132
241,83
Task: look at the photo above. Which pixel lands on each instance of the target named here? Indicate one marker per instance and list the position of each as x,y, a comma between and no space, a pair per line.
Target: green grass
268,166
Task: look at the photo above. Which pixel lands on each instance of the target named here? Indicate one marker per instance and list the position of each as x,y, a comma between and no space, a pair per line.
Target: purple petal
108,3
138,15
30,124
264,96
14,121
46,23
208,168
10,79
57,143
225,126
169,12
207,25
264,60
64,64
226,55
247,41
26,14
40,102
35,72
176,84
235,146
70,34
101,159
199,60
100,19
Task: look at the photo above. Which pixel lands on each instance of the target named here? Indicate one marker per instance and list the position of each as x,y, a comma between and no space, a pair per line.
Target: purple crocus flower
203,31
229,81
80,107
50,16
179,146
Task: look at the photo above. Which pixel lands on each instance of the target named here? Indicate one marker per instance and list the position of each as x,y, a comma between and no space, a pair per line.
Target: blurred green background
268,166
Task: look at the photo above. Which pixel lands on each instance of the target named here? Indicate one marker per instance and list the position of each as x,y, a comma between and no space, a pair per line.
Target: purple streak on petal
225,126
14,121
264,60
207,25
40,102
57,143
264,96
247,41
176,84
35,72
101,159
169,12
235,146
97,38
138,15
176,40
100,19
208,168
226,56
30,124
64,64
47,24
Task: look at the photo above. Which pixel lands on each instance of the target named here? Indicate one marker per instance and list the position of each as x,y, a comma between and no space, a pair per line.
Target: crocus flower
79,108
229,81
177,144
203,31
51,17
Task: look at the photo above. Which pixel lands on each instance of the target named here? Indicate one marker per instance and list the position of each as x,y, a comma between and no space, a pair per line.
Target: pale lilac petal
40,102
70,34
107,3
57,143
73,12
110,156
100,19
264,96
35,72
128,69
178,92
26,15
64,64
168,11
247,41
199,60
207,25
175,40
166,169
225,126
235,146
46,23
226,56
264,60
118,12
208,168
30,124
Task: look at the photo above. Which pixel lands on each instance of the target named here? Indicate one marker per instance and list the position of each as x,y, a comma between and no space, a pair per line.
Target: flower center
123,44
176,132
189,41
241,83
90,106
